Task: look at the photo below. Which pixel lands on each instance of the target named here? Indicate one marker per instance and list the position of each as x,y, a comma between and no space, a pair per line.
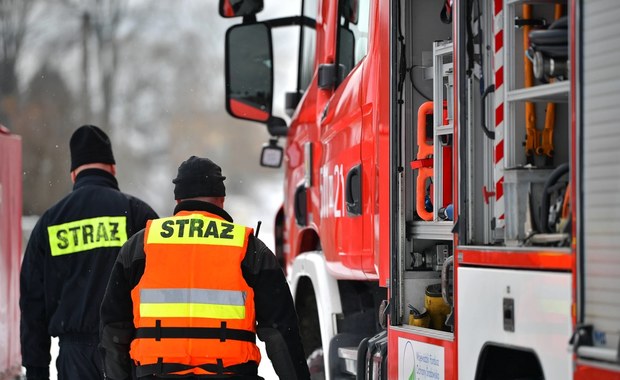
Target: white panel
542,316
601,168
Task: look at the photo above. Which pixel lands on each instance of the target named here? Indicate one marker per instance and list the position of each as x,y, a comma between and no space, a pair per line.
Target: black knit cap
199,177
89,145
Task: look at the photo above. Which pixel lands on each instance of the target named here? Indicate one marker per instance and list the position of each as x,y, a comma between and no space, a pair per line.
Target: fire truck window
307,46
353,34
346,46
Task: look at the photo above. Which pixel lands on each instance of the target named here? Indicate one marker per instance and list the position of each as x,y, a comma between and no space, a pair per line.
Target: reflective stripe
221,297
199,303
193,310
83,235
195,229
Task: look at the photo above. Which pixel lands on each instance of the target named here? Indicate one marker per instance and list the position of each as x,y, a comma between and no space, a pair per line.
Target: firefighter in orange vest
189,293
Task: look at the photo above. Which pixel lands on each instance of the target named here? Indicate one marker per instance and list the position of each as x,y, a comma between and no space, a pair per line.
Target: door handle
353,191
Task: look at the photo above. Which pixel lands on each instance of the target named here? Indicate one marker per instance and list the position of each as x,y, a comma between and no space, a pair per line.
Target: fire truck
10,252
451,182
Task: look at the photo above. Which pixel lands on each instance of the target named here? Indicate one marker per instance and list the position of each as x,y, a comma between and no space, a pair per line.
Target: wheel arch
500,361
310,282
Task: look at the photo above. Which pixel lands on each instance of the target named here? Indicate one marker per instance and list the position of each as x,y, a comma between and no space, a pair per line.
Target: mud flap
375,364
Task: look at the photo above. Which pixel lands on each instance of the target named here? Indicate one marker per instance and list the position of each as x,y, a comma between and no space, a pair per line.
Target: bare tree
108,15
45,125
100,21
13,17
86,33
151,73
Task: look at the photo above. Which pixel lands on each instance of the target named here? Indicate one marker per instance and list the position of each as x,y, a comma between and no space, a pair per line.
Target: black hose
362,366
555,175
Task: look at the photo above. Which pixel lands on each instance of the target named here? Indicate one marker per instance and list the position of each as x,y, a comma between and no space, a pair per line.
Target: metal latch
509,314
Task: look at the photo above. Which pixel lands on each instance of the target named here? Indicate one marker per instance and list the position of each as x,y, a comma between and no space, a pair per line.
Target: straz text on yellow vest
193,310
85,234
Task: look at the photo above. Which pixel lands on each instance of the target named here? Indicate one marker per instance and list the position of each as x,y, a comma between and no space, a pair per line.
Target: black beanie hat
199,177
89,145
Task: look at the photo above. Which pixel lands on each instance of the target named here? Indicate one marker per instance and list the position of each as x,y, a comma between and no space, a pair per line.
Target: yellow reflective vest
193,310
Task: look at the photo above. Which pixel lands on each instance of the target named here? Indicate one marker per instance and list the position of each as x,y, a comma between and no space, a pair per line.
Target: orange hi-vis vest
193,310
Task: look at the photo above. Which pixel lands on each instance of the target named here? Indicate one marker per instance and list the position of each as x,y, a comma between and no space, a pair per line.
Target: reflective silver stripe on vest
203,296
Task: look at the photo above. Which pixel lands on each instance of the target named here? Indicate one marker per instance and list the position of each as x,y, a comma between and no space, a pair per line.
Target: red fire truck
10,252
435,224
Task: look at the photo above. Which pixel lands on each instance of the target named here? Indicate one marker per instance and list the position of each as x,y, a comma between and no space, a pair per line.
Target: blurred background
151,74
148,72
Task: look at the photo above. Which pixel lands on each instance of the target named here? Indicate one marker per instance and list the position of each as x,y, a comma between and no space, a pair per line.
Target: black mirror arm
249,19
290,21
276,126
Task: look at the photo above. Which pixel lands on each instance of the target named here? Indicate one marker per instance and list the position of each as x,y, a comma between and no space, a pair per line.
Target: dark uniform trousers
79,358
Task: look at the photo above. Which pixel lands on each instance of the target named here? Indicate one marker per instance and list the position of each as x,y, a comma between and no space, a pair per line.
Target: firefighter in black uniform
68,261
210,287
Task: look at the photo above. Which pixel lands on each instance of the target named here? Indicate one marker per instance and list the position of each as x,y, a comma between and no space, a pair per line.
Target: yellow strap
191,310
83,235
195,229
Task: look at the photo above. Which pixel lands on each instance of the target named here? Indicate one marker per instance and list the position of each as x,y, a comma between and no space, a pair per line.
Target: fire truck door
343,198
599,258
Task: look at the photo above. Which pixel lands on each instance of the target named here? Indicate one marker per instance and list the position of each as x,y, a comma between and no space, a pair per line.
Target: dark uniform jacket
67,263
275,313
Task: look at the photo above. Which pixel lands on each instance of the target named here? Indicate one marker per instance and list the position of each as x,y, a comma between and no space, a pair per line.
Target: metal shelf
556,92
443,48
513,249
510,2
431,230
444,130
421,274
424,331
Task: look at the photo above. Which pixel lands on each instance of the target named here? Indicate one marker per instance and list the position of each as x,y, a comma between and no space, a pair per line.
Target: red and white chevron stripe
498,64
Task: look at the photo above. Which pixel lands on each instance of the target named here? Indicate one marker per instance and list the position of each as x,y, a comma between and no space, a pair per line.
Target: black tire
309,326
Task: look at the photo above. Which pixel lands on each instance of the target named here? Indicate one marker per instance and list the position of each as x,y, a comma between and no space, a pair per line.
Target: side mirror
237,8
249,72
271,154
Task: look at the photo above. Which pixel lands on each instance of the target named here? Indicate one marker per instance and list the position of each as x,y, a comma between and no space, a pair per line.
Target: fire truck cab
450,207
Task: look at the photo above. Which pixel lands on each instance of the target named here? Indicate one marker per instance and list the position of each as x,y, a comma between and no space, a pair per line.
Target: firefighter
68,260
188,294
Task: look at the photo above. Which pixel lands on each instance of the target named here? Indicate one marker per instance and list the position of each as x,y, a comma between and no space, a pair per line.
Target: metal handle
445,280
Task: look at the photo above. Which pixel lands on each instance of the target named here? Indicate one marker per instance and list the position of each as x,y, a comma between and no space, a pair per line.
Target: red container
10,251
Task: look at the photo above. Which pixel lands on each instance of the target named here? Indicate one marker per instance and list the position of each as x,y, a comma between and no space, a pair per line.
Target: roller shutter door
600,171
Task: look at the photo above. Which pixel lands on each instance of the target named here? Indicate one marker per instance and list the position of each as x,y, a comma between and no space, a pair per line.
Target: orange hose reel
424,162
